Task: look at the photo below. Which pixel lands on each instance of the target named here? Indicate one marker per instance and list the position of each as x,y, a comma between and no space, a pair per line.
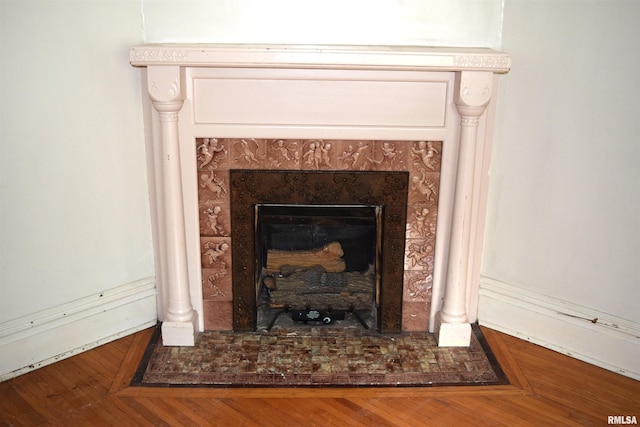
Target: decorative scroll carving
482,61
158,55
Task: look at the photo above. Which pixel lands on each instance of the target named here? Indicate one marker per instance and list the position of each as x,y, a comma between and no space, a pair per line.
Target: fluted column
166,88
472,94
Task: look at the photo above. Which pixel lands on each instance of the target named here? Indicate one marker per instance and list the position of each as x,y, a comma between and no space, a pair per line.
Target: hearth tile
244,359
395,378
359,378
229,378
211,378
378,378
155,367
302,378
264,379
341,378
322,378
283,379
411,367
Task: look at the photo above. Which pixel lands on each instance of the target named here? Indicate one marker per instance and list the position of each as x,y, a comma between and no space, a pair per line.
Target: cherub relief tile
354,155
421,220
318,154
216,253
417,285
419,254
282,154
215,218
211,154
426,155
390,155
246,153
213,186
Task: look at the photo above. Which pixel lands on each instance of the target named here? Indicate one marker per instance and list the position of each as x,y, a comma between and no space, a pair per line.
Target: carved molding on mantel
311,56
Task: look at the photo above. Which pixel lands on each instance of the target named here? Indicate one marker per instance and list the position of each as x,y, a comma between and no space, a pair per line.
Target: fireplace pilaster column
166,90
472,94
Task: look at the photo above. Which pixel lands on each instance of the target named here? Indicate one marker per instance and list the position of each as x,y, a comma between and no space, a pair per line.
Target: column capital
165,84
472,92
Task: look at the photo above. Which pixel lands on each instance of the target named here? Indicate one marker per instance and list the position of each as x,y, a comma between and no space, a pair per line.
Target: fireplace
245,101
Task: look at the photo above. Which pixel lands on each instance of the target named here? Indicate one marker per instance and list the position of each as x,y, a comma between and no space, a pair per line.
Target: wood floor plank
134,353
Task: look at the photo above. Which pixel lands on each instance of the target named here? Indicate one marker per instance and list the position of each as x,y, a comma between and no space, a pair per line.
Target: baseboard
54,334
586,334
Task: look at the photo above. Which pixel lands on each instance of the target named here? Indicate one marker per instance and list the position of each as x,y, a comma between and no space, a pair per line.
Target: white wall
562,243
76,251
470,23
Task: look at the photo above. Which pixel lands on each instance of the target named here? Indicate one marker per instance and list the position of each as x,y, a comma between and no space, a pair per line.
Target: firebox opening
317,264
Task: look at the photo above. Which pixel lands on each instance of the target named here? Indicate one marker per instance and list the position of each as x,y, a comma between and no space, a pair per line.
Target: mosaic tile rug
317,356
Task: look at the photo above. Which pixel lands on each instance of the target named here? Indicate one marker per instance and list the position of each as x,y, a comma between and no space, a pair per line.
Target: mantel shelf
315,56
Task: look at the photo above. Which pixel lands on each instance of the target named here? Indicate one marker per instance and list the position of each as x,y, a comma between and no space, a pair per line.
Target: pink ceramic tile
211,154
390,155
217,284
415,316
217,315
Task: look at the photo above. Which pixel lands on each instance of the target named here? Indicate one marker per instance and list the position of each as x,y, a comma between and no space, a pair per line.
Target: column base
180,333
452,334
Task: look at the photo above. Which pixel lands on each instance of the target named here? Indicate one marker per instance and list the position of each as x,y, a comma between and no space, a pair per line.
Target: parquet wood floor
92,389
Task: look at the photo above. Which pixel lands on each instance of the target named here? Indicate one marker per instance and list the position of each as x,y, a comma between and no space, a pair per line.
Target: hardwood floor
92,388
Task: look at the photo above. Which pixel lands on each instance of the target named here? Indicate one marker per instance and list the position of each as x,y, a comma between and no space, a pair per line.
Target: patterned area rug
317,356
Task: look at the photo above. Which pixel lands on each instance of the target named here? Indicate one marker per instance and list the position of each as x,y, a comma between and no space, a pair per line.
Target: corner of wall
584,333
42,338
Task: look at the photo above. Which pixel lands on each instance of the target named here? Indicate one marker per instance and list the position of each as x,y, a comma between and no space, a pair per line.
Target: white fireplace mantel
344,92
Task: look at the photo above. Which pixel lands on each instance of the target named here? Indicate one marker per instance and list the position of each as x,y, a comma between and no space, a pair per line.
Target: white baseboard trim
42,338
586,334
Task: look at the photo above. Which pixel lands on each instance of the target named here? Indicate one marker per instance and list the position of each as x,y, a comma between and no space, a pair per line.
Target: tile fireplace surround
403,96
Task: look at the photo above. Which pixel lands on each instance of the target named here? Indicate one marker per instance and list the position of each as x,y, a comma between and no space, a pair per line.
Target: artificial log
328,257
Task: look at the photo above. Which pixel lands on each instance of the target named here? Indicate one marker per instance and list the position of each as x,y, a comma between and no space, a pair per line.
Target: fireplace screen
317,264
